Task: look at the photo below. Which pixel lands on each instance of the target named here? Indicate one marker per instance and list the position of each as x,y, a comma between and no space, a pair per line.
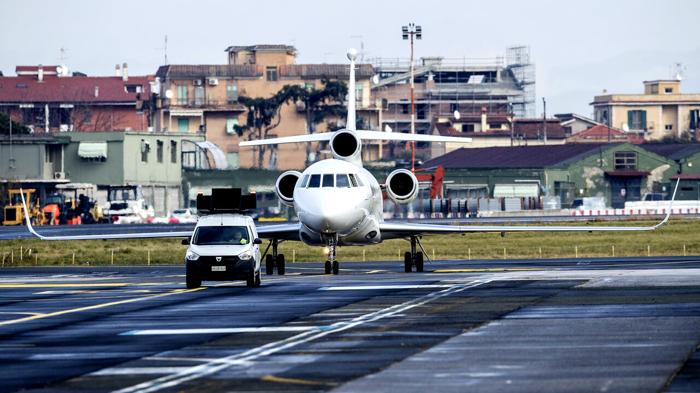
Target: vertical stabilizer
350,125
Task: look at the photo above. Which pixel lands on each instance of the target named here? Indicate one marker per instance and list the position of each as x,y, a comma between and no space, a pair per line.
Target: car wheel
250,280
192,280
258,281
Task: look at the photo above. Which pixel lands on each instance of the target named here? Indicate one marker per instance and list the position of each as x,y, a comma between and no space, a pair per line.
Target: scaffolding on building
523,70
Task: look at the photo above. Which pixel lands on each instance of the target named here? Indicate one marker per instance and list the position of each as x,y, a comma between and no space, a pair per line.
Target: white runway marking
138,371
148,332
379,287
244,358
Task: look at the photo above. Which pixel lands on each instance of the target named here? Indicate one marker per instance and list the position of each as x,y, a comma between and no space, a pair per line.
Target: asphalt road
610,325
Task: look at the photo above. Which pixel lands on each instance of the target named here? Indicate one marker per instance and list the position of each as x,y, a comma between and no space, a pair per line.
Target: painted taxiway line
381,287
246,357
263,329
97,306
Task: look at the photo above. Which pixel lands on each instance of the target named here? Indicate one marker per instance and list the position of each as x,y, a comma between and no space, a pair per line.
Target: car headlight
244,256
191,256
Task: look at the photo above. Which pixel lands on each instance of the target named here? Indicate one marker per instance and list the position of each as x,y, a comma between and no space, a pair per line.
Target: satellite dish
387,128
457,115
375,79
169,94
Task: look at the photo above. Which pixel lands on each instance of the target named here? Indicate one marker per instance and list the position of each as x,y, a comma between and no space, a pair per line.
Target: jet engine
402,186
284,187
345,145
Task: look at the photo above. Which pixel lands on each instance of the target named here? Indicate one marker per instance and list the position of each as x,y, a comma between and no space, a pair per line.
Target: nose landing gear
274,260
413,258
332,265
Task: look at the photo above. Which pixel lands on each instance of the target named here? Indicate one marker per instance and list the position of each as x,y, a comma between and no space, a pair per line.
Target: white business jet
339,203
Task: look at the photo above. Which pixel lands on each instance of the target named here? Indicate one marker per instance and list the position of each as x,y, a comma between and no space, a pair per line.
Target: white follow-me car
223,247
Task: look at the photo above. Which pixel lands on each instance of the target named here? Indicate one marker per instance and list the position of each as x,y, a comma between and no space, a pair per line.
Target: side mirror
257,240
186,241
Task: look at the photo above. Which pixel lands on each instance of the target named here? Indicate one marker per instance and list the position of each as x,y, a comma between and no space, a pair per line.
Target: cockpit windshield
328,180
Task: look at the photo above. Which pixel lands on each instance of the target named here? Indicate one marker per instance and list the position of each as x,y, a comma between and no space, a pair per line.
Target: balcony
206,105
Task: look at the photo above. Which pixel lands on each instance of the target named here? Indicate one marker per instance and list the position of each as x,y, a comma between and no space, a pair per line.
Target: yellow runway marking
482,270
295,381
66,285
97,306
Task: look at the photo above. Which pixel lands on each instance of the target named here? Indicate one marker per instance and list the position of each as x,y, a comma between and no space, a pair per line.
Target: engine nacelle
347,146
284,187
402,186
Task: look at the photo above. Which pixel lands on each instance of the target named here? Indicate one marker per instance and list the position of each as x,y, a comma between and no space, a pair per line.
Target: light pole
408,33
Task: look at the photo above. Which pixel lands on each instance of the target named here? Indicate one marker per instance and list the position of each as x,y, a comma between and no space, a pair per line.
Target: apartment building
203,99
51,99
662,111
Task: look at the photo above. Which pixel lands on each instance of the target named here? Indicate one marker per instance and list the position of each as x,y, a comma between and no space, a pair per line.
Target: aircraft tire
328,267
407,262
269,265
280,264
419,262
336,267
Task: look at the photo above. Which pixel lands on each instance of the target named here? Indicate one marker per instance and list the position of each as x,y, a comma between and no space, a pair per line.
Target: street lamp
408,33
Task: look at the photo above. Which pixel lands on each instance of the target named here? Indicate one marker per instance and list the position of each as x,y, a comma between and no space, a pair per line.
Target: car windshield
221,235
180,211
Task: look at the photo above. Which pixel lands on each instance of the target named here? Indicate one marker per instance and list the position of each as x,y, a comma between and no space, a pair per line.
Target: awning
523,190
92,150
217,154
627,173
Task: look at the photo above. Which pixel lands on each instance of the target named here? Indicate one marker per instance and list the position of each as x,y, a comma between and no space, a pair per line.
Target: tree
319,104
17,128
263,116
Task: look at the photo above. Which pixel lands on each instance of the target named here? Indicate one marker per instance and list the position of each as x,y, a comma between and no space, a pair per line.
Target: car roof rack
226,200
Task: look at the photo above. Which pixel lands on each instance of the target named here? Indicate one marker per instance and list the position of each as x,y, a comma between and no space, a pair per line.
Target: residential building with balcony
204,99
50,99
662,111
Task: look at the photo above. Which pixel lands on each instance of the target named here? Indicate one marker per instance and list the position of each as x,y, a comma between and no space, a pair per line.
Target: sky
580,47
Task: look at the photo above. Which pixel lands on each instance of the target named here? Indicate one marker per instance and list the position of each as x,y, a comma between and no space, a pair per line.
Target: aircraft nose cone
334,218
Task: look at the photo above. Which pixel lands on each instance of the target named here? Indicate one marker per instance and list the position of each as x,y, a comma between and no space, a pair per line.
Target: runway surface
608,325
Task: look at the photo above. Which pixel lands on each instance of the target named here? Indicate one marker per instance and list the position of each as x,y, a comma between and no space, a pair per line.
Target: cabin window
341,180
315,181
327,180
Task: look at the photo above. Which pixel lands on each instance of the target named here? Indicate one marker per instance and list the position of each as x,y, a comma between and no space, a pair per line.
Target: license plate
218,268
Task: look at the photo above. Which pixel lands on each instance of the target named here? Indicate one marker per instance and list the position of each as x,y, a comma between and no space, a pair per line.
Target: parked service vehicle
126,205
182,216
223,247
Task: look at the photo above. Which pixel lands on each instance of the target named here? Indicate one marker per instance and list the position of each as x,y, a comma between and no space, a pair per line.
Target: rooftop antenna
63,56
361,53
165,50
677,71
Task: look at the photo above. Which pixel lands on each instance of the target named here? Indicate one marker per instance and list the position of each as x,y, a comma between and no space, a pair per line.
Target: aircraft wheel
192,281
328,267
269,265
336,267
407,262
280,264
419,262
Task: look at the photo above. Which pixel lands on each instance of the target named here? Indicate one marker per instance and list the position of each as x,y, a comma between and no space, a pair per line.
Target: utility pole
408,32
544,119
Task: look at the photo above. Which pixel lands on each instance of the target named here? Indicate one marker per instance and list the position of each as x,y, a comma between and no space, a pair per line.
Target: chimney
40,74
484,120
125,72
117,71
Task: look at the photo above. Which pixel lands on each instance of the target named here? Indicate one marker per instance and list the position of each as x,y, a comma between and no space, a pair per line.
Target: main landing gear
274,260
332,265
413,258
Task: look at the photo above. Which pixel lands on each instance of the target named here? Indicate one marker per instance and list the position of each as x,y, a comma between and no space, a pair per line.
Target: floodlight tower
408,33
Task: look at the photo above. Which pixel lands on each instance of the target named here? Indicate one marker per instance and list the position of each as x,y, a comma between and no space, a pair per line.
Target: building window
695,119
668,90
232,92
271,74
173,152
182,95
654,89
145,148
159,151
183,124
625,160
199,95
133,88
669,127
231,124
454,107
637,120
358,94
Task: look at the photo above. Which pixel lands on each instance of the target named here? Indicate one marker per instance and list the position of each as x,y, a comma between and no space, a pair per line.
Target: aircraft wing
364,135
393,230
286,231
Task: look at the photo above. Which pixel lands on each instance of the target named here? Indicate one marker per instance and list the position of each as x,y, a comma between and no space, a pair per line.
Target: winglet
670,206
27,219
